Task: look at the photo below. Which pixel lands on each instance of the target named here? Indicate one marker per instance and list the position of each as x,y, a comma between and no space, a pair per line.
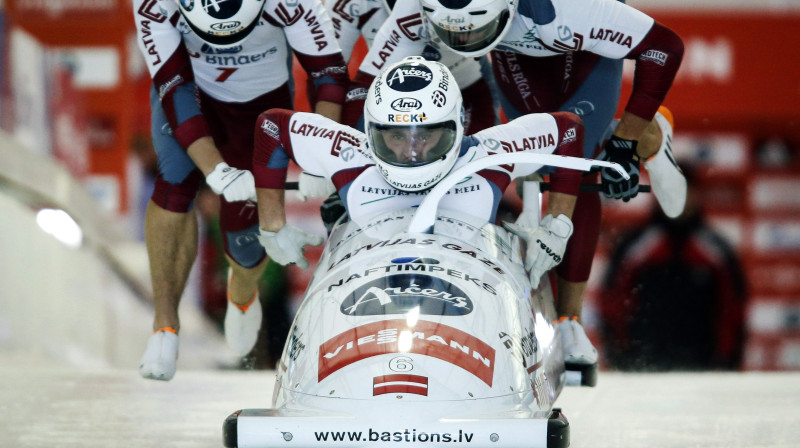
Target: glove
546,244
623,152
232,183
286,245
311,186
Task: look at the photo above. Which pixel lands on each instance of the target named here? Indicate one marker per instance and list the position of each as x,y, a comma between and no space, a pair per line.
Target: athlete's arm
173,80
658,58
309,31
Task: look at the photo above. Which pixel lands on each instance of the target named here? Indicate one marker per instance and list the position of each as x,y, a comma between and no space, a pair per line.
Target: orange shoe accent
563,318
169,329
246,306
668,115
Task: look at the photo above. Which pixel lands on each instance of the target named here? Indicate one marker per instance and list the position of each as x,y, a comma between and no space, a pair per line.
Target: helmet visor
470,40
415,145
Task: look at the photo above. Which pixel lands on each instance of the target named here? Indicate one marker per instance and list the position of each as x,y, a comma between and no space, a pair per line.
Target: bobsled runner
419,328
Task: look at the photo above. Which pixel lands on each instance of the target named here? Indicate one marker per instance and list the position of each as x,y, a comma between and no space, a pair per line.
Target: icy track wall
90,305
82,305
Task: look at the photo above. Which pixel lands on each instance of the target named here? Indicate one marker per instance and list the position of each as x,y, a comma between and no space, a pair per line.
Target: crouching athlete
404,154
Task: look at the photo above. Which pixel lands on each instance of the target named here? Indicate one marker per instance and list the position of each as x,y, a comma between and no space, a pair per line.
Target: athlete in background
215,66
564,55
352,17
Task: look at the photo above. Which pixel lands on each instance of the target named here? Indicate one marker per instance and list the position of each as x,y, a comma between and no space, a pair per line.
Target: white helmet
221,23
470,28
413,120
389,5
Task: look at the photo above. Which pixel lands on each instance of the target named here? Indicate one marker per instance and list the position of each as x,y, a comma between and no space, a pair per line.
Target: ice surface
45,405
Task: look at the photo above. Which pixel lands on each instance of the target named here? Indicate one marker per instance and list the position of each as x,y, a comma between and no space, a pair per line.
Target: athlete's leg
171,240
232,128
596,103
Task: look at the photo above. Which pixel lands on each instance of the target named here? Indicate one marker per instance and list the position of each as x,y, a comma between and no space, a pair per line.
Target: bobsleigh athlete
414,138
215,66
560,55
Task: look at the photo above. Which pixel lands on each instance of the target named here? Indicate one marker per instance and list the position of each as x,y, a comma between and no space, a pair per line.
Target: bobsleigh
419,328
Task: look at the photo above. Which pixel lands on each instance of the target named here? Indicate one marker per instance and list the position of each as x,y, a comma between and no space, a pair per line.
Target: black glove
620,151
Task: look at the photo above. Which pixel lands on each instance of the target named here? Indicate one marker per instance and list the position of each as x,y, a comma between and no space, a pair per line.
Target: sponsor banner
727,153
722,72
70,128
51,10
772,353
771,194
776,236
29,89
427,338
776,278
770,316
733,229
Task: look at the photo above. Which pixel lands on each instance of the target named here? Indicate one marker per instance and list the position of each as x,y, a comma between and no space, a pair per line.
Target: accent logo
398,294
221,9
408,78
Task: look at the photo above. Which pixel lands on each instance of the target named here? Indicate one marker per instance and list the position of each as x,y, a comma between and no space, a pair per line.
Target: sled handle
425,217
543,186
597,188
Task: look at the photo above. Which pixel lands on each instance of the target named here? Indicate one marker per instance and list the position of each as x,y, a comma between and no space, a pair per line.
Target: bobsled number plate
260,429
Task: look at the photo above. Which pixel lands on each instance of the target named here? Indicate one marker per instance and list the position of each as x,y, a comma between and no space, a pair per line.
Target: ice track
43,405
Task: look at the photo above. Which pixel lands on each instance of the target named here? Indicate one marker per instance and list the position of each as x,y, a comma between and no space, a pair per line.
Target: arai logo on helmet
406,104
226,26
221,9
409,78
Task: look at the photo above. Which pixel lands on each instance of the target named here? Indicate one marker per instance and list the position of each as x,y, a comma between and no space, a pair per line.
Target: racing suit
325,148
558,55
202,90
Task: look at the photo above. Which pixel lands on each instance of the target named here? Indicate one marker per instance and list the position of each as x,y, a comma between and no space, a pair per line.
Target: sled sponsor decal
296,345
539,386
404,436
414,268
389,384
398,294
425,338
384,243
523,346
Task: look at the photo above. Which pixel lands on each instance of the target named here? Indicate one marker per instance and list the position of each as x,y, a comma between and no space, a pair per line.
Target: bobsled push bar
543,186
425,216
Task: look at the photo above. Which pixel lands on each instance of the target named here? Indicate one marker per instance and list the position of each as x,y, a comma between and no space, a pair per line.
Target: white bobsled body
419,327
393,319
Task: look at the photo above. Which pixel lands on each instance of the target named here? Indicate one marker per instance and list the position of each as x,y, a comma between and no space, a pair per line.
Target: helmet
389,4
413,120
470,28
221,22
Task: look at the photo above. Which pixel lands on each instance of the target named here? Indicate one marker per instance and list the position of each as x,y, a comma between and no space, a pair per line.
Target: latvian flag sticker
389,384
